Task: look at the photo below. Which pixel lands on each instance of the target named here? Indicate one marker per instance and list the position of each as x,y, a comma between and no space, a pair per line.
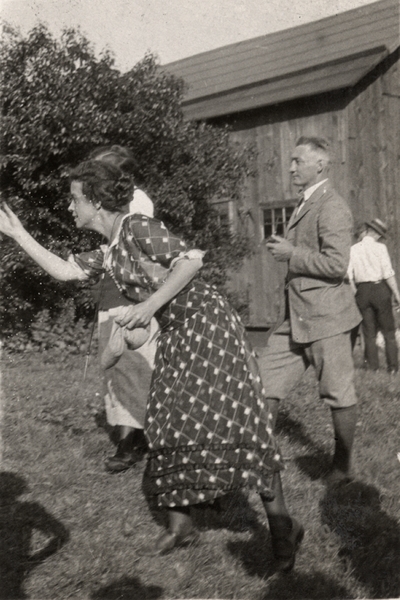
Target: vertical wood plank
365,133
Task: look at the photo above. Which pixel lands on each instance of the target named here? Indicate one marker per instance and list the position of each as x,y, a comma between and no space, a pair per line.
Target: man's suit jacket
321,302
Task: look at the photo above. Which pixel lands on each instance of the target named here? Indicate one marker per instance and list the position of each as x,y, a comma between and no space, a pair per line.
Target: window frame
276,206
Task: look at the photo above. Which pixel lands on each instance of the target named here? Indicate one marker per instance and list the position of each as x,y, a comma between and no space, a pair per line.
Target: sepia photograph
199,300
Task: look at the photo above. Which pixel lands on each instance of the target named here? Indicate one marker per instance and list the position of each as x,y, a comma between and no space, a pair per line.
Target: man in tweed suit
319,310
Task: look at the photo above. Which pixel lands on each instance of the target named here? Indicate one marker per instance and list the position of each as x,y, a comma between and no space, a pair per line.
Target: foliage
64,335
59,101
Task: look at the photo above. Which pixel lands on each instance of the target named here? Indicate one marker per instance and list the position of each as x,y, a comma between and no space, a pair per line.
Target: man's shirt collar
309,191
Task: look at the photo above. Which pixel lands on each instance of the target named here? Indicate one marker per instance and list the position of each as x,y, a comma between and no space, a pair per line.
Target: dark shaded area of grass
70,530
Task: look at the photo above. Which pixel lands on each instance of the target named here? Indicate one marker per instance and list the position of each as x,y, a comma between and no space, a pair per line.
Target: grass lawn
70,530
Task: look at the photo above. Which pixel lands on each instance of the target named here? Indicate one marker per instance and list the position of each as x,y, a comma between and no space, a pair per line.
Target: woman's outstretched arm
54,265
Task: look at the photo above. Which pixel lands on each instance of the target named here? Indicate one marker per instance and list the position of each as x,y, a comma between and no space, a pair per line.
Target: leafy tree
59,101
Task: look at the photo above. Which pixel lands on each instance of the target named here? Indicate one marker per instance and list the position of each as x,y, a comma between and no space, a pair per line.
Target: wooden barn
338,78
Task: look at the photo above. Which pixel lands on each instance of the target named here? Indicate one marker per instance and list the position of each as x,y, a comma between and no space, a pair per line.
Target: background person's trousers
374,301
283,362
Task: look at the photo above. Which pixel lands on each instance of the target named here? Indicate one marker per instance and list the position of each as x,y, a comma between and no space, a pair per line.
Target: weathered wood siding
363,126
261,275
373,165
340,82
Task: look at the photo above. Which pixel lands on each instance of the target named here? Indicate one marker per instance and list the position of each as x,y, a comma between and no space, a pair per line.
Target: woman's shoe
169,540
285,548
130,450
121,462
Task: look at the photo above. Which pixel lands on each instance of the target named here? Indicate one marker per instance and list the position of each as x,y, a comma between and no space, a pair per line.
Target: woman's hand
9,222
137,315
60,269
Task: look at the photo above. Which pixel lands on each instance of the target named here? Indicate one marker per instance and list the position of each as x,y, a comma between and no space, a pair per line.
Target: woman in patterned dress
208,428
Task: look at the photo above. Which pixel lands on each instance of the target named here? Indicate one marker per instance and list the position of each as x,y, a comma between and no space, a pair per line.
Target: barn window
275,220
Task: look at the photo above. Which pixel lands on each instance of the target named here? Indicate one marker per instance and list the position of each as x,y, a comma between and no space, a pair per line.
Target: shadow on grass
369,538
313,465
127,588
255,554
232,511
257,559
19,521
305,586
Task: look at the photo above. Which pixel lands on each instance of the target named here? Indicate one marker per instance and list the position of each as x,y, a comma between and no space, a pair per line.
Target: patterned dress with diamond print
207,425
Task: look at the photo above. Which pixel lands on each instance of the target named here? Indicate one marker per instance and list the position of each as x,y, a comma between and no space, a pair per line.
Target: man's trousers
374,301
283,362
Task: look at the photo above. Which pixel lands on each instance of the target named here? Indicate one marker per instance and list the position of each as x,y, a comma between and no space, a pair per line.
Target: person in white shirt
373,279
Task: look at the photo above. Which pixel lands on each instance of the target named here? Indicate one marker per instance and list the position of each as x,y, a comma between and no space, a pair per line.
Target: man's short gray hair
316,143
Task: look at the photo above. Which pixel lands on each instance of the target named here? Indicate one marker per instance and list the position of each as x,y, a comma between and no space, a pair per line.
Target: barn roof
329,54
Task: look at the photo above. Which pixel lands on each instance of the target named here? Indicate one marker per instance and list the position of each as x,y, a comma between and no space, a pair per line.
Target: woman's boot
286,532
130,450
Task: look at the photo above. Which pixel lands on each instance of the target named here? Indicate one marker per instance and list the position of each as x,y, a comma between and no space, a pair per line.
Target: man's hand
280,248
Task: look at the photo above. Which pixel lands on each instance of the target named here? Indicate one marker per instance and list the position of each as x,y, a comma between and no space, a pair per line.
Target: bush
58,102
64,334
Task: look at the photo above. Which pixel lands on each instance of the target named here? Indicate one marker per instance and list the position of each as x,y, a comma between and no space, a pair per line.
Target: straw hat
378,226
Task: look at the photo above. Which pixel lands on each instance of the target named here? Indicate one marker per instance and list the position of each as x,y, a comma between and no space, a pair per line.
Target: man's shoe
285,548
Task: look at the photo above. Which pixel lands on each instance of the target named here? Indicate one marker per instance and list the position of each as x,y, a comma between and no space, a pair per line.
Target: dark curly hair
104,183
121,157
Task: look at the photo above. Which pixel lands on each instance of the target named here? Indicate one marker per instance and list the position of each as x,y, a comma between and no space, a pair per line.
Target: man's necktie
300,204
